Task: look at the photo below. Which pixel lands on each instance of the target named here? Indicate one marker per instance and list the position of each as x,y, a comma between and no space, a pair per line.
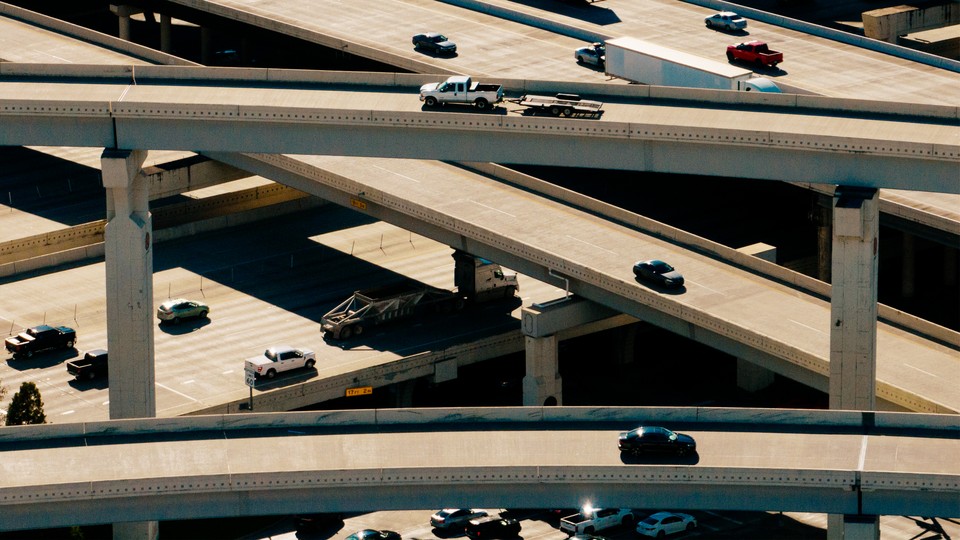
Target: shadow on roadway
43,359
659,459
660,288
185,326
82,385
585,10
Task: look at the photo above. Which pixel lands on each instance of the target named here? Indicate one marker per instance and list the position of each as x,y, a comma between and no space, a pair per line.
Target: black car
658,272
656,439
434,42
371,534
493,527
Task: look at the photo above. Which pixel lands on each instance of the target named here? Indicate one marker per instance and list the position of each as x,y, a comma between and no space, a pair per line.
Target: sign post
250,378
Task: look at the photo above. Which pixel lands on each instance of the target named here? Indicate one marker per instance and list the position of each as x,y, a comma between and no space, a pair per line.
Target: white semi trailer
645,62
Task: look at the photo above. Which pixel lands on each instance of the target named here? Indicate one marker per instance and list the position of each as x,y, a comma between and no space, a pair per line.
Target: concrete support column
129,269
751,377
206,45
403,393
823,217
860,528
853,305
166,33
908,276
625,346
542,384
123,14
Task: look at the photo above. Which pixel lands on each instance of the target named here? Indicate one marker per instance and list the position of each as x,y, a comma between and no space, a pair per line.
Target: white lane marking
920,370
806,326
590,244
178,393
396,174
492,208
688,282
64,413
107,402
227,372
191,381
863,453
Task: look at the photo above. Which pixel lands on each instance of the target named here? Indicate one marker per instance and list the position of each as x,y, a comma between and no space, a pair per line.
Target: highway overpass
838,462
816,139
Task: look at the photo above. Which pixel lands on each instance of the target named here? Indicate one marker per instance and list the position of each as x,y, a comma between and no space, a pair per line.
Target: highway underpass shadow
287,378
468,109
58,189
42,360
592,11
397,335
659,459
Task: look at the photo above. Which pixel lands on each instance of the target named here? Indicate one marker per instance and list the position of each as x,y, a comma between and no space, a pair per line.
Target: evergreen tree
26,407
3,392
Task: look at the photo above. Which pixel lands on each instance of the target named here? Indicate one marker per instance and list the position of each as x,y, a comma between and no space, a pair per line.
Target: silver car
594,54
726,20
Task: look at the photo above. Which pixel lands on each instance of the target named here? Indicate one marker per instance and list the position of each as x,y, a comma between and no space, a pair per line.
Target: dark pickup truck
93,364
40,338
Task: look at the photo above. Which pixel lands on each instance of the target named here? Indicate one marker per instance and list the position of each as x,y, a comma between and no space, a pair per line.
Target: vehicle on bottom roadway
373,534
663,523
279,359
594,54
180,309
449,518
659,272
434,42
726,20
91,365
655,439
493,527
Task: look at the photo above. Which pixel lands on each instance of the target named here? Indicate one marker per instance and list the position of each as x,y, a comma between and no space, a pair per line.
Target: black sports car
656,439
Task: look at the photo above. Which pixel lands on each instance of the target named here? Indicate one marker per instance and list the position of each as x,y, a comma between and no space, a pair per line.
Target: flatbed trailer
565,104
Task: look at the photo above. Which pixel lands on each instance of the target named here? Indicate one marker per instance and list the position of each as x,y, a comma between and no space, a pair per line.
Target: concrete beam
548,318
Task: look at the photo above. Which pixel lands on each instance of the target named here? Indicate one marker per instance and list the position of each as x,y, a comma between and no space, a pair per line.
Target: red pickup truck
754,52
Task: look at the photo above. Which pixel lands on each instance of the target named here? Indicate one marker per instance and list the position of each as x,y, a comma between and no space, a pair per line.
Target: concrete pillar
123,14
907,266
834,526
853,306
542,384
206,45
129,269
166,33
403,393
751,377
824,220
861,528
625,344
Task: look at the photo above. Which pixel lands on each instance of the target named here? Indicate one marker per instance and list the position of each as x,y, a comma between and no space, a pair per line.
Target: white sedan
664,523
726,20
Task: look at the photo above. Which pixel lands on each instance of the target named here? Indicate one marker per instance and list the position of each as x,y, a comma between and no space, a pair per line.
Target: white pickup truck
278,359
592,520
461,89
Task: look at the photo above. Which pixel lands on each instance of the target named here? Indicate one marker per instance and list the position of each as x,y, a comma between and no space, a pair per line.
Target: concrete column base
137,530
625,348
166,33
403,393
542,384
751,377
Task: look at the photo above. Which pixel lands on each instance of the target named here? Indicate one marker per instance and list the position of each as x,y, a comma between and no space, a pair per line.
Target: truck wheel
430,101
271,373
567,111
579,59
176,320
346,332
203,315
70,344
758,62
91,375
554,110
588,530
481,104
309,364
729,57
627,521
28,354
